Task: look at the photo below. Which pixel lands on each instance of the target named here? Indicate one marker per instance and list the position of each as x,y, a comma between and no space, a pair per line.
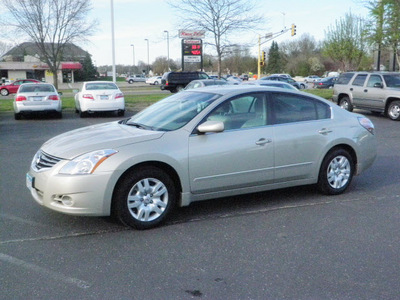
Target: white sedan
99,96
156,80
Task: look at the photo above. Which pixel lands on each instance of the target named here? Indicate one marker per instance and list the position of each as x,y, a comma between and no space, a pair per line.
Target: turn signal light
20,98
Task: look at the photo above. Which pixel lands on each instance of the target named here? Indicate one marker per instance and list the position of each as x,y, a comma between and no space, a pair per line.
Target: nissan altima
201,144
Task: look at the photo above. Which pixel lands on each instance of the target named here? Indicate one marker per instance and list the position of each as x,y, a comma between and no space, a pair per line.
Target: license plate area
37,98
103,97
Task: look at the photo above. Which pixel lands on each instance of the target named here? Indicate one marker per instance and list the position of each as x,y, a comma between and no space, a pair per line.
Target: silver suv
373,91
135,78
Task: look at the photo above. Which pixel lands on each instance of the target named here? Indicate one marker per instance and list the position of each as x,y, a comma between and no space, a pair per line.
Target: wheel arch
388,101
161,165
346,147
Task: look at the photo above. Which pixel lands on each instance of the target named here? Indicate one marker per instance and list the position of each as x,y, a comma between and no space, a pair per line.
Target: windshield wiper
141,126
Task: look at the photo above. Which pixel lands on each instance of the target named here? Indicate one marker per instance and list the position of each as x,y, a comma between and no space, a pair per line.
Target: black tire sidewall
120,209
349,105
323,184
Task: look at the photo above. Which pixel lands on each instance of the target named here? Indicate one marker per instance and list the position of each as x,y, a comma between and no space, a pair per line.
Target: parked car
12,88
200,144
311,78
135,78
325,83
234,80
377,92
298,85
37,97
177,81
282,75
155,80
205,82
271,83
99,96
244,77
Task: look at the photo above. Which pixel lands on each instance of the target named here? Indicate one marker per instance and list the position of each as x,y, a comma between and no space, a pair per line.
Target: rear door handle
263,141
324,131
365,91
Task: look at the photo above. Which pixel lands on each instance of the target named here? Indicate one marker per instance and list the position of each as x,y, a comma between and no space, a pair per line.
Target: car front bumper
85,195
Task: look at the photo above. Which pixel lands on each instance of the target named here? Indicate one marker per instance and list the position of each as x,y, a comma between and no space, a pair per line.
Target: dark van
176,81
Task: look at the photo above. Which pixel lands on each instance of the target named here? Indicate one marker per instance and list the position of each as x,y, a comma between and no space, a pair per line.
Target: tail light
119,95
54,97
20,98
88,96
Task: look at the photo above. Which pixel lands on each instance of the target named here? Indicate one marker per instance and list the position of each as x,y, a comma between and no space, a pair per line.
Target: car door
302,127
241,156
374,93
15,86
358,91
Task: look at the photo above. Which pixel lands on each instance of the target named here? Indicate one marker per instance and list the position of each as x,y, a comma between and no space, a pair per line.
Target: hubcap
344,105
147,199
339,172
394,111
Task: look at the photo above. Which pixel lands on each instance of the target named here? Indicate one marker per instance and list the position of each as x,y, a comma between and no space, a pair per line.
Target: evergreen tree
88,71
274,64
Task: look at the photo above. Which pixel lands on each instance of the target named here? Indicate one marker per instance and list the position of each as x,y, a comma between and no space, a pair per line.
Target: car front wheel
394,111
4,92
144,198
345,104
336,172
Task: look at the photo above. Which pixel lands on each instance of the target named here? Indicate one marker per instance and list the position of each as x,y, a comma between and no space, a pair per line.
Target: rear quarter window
360,79
344,78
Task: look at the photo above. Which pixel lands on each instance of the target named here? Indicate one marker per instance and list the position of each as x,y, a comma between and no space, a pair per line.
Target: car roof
238,89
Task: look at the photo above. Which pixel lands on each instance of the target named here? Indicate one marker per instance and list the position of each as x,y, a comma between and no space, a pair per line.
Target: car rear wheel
155,82
144,198
336,172
4,92
130,81
345,104
394,111
83,114
17,116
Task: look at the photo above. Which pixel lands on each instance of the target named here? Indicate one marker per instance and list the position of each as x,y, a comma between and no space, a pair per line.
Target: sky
137,20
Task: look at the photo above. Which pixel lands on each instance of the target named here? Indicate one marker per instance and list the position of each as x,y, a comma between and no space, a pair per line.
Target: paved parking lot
285,244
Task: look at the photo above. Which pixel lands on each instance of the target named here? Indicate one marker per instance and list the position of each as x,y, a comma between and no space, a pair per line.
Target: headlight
367,124
87,163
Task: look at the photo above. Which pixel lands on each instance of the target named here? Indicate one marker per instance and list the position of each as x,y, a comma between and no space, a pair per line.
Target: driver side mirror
211,126
378,85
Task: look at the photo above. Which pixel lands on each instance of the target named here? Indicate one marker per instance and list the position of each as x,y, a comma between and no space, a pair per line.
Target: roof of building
71,52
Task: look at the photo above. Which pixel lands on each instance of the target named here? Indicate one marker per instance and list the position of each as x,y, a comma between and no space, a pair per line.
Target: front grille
43,161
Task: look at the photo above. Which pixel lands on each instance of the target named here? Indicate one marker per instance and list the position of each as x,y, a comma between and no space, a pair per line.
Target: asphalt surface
284,244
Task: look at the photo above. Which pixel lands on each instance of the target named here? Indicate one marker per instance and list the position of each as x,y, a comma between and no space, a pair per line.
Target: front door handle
365,91
263,141
324,131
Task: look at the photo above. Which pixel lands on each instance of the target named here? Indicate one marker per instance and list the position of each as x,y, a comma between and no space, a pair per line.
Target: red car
12,88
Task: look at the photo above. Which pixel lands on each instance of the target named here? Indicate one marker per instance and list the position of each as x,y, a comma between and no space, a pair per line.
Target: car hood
102,136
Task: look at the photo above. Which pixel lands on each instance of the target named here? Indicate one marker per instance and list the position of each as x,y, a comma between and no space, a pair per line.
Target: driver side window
242,112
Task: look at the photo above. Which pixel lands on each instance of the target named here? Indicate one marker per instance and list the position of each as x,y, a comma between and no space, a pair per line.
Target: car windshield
101,86
392,80
173,112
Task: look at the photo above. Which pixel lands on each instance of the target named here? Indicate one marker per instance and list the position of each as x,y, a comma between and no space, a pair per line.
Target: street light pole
148,57
133,52
113,41
167,47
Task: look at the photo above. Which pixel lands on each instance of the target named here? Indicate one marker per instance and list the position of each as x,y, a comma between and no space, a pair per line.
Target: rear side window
360,79
289,108
344,78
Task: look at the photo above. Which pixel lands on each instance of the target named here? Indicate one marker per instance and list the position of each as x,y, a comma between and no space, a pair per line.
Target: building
23,62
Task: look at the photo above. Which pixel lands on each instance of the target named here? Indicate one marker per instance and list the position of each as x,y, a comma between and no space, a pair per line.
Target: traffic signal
293,29
263,56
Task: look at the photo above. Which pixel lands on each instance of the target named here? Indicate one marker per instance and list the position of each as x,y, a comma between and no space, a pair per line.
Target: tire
346,104
130,81
120,113
144,198
336,172
393,111
17,116
59,115
156,83
83,114
4,92
302,86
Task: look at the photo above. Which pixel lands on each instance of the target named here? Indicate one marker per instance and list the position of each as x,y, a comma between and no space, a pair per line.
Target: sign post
192,47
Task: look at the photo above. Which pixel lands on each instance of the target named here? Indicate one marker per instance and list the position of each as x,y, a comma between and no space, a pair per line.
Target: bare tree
221,18
51,25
